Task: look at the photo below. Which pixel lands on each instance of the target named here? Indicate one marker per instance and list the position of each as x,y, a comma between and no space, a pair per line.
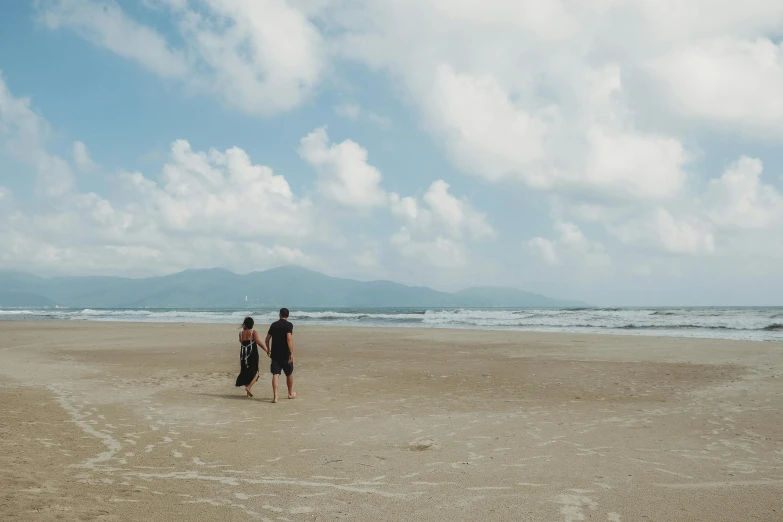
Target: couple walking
281,351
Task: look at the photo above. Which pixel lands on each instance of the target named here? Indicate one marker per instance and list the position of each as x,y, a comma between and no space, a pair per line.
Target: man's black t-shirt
279,332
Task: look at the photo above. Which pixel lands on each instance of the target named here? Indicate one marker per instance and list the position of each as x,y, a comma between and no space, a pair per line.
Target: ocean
747,323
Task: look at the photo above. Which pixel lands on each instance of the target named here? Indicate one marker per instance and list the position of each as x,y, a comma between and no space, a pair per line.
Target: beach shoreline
735,323
141,421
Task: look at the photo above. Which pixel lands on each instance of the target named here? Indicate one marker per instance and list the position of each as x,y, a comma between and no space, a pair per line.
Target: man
281,333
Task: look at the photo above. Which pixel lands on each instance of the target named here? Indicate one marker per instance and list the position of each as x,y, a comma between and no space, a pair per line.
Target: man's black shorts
277,367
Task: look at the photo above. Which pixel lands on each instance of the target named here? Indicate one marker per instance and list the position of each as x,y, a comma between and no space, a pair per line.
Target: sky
620,152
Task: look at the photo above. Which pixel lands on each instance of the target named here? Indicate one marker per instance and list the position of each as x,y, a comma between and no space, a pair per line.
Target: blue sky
569,150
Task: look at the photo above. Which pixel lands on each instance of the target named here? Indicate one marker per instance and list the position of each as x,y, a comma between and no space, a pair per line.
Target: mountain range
289,286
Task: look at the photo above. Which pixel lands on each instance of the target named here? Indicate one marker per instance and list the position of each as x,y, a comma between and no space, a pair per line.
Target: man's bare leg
275,384
289,380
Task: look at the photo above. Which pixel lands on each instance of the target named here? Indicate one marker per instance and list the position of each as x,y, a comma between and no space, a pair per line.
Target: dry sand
105,421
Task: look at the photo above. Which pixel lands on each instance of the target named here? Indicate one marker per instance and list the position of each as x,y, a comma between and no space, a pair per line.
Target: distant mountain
498,297
23,299
217,288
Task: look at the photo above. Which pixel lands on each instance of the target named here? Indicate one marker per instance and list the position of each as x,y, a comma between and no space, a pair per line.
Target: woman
248,356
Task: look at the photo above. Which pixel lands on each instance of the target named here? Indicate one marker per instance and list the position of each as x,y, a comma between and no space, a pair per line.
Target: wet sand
111,421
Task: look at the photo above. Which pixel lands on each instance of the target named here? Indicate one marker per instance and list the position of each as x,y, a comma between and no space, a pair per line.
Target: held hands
269,354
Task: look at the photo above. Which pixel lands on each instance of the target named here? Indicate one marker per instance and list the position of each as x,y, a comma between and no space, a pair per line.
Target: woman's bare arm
257,339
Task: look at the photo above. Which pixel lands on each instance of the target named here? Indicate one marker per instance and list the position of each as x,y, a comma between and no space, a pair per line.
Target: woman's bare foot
248,392
274,400
292,395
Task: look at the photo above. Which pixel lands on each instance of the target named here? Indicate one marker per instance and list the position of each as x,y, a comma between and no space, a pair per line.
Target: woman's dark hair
248,323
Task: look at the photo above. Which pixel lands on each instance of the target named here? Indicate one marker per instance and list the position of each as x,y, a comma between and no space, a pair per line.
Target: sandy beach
124,421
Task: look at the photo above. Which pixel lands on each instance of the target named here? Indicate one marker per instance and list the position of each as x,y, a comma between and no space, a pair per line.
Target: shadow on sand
256,397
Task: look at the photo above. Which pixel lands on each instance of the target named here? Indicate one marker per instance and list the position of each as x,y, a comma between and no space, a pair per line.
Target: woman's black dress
248,361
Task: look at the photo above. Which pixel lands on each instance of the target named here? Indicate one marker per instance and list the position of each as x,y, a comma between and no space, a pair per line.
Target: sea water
747,323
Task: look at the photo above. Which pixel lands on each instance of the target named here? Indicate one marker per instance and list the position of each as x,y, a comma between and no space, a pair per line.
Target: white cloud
344,174
603,105
455,214
221,193
218,208
265,57
484,131
407,209
635,165
546,249
704,18
436,230
26,249
105,24
354,112
259,57
82,158
369,257
212,208
440,252
512,97
438,225
443,214
571,247
684,235
739,200
562,96
738,216
25,134
349,111
381,121
595,148
734,83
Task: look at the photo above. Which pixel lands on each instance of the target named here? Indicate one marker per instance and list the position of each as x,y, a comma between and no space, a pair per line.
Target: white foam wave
729,323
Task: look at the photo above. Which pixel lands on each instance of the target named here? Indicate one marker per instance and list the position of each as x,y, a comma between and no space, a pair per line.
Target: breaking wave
727,323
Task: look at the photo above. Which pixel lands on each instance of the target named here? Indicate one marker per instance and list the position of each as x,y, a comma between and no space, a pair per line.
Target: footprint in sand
423,445
572,506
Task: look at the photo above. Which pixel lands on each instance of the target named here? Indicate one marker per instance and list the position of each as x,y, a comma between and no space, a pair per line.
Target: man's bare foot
292,395
274,400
